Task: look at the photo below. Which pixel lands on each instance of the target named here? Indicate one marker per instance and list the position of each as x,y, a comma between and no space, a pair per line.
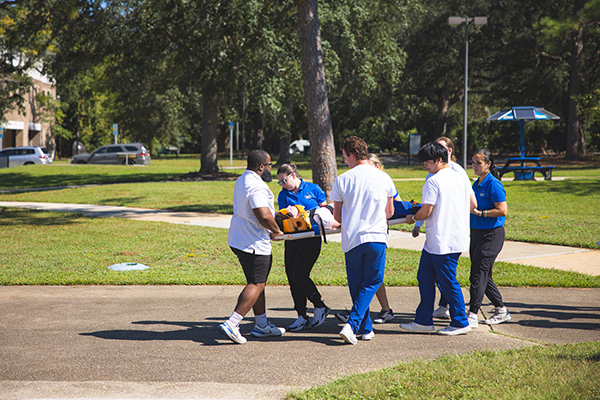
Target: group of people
458,217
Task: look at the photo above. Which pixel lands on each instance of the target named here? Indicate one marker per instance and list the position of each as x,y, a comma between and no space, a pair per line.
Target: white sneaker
368,336
299,324
473,323
233,332
500,315
453,331
442,312
348,335
269,330
319,316
414,327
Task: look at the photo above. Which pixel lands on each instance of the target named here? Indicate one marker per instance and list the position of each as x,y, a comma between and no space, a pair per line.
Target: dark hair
357,146
288,169
433,151
449,144
488,157
256,158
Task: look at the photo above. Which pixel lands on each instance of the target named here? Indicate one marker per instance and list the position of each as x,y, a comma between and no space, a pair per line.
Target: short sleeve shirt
488,192
245,232
309,195
447,228
364,191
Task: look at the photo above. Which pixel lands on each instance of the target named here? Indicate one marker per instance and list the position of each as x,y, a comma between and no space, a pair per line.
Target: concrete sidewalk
575,259
159,342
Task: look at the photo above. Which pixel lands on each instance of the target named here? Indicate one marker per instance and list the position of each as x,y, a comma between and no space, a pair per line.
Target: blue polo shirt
488,192
309,196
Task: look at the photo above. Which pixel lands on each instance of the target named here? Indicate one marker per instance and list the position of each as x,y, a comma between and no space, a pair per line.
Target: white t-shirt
447,227
364,191
245,232
454,167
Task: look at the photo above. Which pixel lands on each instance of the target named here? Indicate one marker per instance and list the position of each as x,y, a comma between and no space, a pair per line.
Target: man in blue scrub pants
446,204
363,201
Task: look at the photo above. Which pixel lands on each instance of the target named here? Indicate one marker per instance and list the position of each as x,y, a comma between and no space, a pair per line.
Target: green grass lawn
71,249
537,372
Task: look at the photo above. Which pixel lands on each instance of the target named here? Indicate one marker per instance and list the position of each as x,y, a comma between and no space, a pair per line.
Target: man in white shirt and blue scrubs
363,201
446,204
252,226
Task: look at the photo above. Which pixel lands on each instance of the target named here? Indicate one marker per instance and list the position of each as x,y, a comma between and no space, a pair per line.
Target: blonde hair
374,159
448,144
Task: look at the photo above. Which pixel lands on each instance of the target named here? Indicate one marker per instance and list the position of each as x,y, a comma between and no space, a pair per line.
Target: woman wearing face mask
301,254
487,238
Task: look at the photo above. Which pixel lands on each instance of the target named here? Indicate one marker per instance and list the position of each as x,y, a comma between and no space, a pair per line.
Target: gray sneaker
384,316
500,315
319,316
442,312
269,330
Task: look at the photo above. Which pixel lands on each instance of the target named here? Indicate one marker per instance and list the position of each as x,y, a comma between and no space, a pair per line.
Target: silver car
26,155
117,154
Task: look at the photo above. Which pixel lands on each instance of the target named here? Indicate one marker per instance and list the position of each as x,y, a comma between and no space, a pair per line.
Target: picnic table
523,169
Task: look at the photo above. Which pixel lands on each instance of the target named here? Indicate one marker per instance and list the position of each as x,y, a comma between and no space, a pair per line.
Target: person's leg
365,266
485,247
478,277
426,278
382,298
374,270
306,257
290,256
496,244
251,297
445,270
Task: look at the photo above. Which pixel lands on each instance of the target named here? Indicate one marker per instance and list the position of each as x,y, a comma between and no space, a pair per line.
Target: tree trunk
285,136
322,149
441,121
575,144
208,158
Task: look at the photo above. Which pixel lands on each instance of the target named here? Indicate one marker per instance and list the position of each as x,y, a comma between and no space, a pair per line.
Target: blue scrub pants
365,266
441,269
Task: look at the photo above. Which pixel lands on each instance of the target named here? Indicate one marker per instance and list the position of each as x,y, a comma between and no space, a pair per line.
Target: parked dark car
117,154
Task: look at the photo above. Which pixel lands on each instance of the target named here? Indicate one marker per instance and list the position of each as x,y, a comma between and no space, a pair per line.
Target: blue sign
231,124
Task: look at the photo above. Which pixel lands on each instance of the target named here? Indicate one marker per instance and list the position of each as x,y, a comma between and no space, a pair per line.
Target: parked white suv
26,155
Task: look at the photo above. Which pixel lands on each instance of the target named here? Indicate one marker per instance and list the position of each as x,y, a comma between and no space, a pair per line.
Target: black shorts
256,267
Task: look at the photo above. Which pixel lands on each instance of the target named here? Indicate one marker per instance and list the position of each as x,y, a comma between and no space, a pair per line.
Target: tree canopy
177,71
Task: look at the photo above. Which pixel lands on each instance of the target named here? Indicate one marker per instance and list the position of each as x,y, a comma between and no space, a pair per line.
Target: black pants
485,247
300,257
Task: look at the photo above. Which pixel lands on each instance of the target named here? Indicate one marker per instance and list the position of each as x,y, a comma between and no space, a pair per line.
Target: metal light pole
455,21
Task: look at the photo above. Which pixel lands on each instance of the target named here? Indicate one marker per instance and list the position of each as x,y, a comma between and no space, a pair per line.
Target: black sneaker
384,316
343,316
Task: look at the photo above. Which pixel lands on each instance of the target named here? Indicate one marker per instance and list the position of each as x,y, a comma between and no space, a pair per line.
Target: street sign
115,131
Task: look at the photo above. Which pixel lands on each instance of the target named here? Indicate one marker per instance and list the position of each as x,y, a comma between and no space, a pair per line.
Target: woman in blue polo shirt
301,255
487,237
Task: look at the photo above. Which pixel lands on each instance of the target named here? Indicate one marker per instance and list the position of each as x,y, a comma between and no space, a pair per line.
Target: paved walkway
546,256
162,342
159,342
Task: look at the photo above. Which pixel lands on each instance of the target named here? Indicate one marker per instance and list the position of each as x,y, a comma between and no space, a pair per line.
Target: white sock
236,318
261,320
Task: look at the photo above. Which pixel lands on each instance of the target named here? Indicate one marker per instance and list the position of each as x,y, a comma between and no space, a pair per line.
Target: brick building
30,129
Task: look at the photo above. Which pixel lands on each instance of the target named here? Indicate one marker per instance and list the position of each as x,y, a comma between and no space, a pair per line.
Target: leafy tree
25,40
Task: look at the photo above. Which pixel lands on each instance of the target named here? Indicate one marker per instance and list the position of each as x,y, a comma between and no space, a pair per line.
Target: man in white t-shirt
446,205
252,226
363,201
